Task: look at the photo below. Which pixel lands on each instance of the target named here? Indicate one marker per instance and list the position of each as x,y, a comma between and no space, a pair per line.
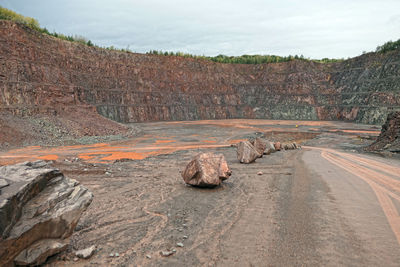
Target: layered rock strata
42,74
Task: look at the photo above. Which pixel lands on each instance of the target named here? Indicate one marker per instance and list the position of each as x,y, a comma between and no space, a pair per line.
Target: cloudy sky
314,28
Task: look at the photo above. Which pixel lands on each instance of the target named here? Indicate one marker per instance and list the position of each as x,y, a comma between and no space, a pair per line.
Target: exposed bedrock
41,74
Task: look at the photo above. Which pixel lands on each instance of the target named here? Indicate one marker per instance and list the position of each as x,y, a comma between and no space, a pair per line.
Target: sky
313,28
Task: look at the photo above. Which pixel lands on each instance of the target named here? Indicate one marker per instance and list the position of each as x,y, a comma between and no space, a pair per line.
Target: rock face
389,138
38,210
42,74
246,152
206,170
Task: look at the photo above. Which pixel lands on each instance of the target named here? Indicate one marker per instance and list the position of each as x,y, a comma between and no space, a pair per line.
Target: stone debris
206,170
167,253
246,152
180,245
185,237
85,253
389,138
259,173
39,251
148,256
38,205
111,255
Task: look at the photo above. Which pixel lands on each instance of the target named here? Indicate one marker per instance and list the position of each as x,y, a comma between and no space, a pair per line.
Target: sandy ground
323,205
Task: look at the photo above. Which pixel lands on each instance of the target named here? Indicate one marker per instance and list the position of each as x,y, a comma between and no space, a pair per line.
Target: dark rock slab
39,203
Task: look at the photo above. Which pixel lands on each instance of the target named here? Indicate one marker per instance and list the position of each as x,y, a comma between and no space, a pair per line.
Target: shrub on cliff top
388,46
11,15
32,23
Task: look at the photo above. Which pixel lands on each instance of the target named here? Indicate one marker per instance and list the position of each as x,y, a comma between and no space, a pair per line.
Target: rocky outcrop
39,209
42,74
206,170
389,138
246,152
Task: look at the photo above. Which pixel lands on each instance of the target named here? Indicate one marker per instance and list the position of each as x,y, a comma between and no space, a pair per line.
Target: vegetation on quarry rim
32,23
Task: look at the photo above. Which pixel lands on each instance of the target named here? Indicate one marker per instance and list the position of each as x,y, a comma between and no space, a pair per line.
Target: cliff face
41,74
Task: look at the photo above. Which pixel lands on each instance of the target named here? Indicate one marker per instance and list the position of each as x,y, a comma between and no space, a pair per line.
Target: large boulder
246,152
39,203
206,170
270,148
260,144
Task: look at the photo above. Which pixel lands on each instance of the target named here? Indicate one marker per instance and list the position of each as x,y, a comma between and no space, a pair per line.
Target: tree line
32,23
244,59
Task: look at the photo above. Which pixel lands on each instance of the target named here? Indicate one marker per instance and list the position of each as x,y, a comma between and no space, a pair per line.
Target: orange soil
150,145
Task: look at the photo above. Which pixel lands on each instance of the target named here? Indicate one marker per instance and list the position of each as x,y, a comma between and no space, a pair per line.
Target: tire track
385,187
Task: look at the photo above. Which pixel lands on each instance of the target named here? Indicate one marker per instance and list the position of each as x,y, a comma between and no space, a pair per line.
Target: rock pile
389,138
206,170
39,209
248,151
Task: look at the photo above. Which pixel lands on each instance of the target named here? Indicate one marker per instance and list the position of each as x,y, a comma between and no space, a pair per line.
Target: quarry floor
327,204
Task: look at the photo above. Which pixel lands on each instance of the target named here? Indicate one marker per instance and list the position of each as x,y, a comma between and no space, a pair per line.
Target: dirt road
324,205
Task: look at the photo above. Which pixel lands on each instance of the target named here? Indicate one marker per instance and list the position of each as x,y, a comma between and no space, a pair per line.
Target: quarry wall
42,74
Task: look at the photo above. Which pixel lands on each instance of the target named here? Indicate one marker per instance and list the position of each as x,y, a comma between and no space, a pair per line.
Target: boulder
38,252
260,145
206,170
270,148
86,253
288,146
39,203
246,152
277,146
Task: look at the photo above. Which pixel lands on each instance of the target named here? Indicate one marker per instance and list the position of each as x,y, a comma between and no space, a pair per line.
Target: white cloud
314,28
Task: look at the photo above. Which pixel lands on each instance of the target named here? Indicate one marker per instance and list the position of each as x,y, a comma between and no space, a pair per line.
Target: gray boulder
206,170
38,252
270,148
39,203
86,253
246,152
